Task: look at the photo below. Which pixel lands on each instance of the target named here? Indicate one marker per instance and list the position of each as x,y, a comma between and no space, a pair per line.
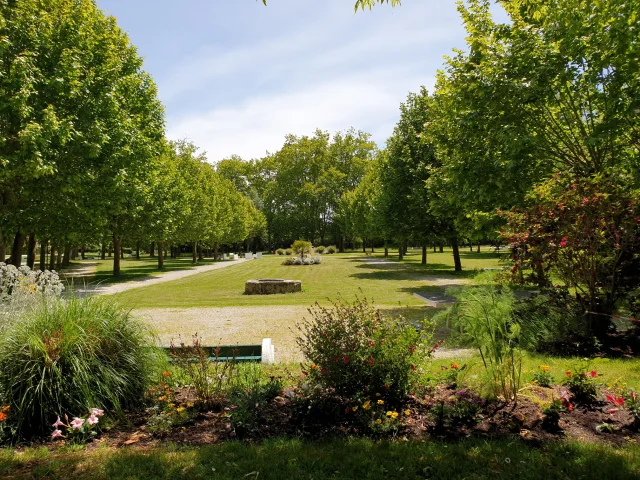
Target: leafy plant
70,354
288,251
320,249
485,318
582,385
280,251
80,429
302,248
331,249
542,376
551,415
462,409
209,376
632,402
351,349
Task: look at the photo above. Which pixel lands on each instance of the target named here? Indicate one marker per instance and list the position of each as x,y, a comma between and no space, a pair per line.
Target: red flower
563,242
323,370
372,361
372,343
593,374
568,373
413,367
570,407
345,359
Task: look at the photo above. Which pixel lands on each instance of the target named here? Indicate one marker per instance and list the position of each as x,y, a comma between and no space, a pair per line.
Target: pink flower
58,423
92,420
593,374
56,433
613,410
77,423
563,242
96,412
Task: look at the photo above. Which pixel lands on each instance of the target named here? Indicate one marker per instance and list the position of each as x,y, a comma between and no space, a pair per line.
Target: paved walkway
110,289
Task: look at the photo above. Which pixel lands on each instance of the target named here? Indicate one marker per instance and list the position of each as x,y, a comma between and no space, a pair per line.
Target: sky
236,77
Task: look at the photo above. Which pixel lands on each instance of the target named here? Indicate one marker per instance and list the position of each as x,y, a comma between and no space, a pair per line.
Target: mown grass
333,459
347,275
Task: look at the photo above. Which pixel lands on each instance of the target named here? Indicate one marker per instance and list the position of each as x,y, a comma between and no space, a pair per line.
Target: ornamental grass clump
354,352
67,356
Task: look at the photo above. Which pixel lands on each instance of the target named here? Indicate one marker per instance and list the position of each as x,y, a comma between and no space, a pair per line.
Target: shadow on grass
363,458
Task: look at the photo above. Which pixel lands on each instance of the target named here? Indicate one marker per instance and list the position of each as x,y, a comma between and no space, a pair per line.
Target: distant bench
264,353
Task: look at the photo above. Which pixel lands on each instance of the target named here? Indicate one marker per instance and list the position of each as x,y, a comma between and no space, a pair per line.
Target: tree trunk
424,254
386,252
3,249
441,248
341,245
31,251
478,247
59,259
74,254
406,247
160,256
194,258
52,257
470,246
116,256
110,251
103,253
434,248
364,246
137,250
200,253
43,254
400,251
82,253
121,252
372,248
151,249
66,259
456,256
16,251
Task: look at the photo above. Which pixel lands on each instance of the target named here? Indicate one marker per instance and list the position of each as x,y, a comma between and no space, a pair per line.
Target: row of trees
82,148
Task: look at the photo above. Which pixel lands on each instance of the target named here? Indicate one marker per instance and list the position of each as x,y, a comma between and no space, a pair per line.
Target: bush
68,356
582,385
463,409
303,261
320,249
280,251
288,251
331,249
349,348
14,280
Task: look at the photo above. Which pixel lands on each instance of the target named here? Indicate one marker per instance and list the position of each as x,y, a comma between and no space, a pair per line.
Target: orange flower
454,366
3,416
166,374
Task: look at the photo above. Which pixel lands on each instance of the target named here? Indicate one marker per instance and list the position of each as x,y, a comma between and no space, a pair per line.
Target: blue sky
236,77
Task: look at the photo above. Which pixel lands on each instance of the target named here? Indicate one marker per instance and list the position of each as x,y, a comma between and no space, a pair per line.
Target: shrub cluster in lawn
331,249
350,349
317,260
288,251
582,385
14,280
69,355
320,249
280,251
462,408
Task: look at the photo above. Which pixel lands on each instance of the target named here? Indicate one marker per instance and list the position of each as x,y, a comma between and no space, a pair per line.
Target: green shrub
68,356
331,249
288,251
320,249
280,251
582,384
462,409
351,349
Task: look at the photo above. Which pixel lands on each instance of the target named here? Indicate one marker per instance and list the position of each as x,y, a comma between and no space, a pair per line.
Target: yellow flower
366,405
355,409
171,405
162,398
377,394
544,368
378,421
314,366
407,412
389,414
392,414
380,402
180,409
189,404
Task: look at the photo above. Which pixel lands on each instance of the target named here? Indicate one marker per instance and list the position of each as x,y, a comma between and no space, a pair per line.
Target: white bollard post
268,351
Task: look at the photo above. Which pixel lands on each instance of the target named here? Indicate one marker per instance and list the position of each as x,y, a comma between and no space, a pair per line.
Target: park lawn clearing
389,283
348,458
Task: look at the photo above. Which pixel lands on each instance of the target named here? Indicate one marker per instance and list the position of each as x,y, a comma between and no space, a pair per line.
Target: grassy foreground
389,283
336,459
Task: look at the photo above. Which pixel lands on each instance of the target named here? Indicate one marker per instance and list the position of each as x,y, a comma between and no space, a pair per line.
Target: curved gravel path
110,289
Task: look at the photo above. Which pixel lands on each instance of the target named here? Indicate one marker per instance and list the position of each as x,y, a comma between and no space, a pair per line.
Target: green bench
241,353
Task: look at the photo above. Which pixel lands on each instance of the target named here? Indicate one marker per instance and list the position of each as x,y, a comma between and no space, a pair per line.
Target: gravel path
110,289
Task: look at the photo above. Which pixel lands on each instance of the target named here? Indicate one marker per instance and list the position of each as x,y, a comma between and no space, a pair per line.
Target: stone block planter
271,286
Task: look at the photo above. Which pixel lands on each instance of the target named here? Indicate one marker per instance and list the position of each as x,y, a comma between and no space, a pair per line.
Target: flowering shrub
165,412
78,430
632,402
23,279
542,377
582,385
350,348
585,231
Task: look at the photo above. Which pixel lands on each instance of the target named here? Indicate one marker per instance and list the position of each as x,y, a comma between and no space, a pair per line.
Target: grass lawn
333,459
348,275
101,271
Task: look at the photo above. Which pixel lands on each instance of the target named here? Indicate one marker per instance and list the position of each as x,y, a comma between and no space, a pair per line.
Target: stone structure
270,286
